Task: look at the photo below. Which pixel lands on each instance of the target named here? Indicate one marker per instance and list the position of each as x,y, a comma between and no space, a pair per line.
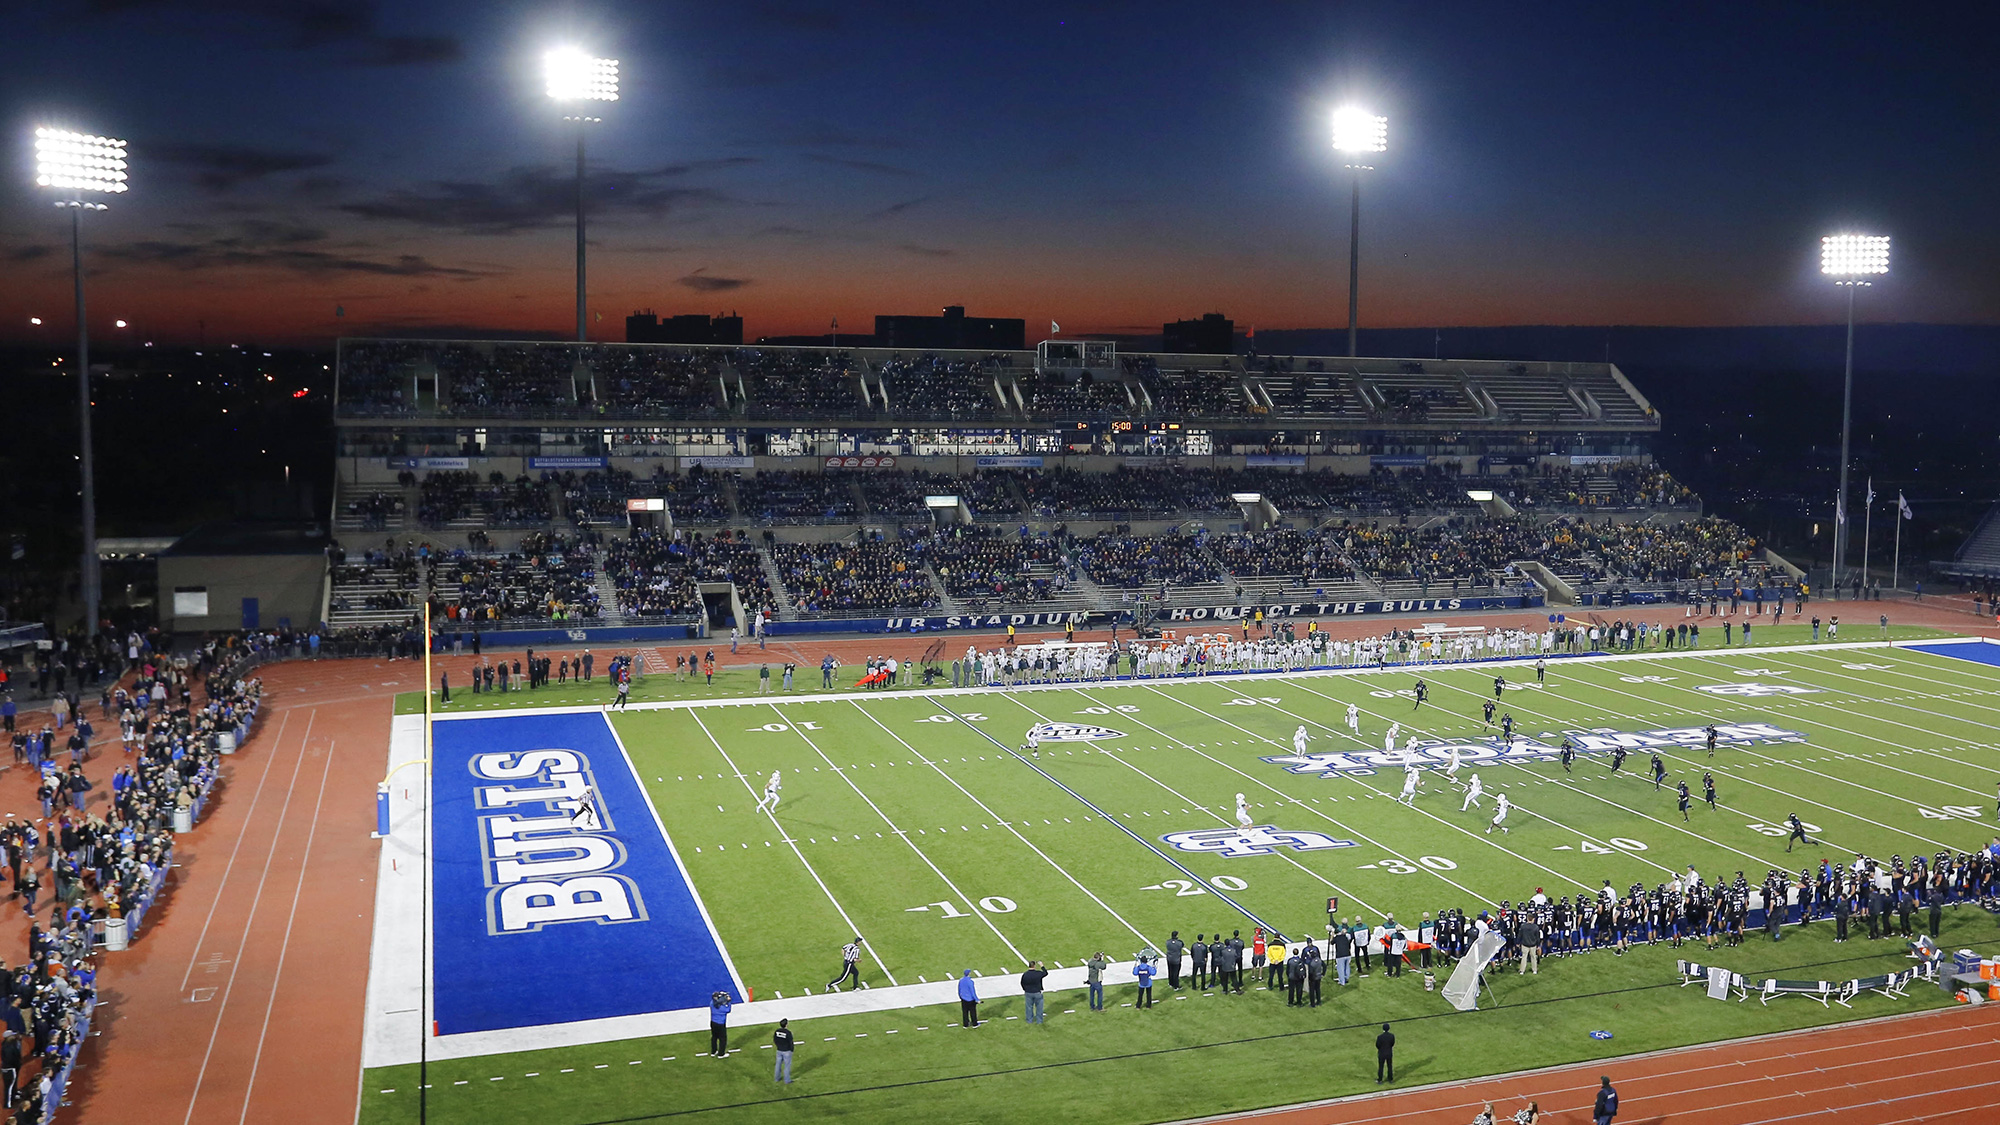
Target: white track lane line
243,941
255,795
285,946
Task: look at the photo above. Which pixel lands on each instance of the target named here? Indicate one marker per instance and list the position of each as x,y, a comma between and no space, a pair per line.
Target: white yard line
794,845
1218,892
897,831
1575,789
1477,838
694,892
1003,822
1779,761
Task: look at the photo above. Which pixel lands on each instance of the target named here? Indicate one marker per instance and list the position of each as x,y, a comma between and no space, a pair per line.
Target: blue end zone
555,896
1977,652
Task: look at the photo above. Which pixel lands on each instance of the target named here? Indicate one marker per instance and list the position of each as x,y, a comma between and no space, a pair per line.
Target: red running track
1939,1066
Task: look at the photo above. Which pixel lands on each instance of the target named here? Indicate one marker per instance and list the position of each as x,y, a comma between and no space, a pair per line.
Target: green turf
893,810
1200,1054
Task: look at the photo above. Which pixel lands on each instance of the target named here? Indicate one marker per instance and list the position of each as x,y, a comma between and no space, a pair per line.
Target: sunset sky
1107,165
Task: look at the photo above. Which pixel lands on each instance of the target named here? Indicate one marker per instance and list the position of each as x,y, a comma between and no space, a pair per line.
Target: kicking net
1462,990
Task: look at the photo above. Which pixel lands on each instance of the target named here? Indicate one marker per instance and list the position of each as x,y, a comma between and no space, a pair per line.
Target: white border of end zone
391,1026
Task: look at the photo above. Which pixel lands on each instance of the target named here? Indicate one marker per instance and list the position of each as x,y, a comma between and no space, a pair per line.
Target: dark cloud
33,252
701,281
926,251
350,28
861,165
903,208
824,134
543,195
232,254
222,167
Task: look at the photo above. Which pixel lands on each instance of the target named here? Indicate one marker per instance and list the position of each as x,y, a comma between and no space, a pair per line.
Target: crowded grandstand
623,484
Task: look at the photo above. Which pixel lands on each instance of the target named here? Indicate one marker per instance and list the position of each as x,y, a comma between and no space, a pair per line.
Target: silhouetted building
645,328
952,330
1213,334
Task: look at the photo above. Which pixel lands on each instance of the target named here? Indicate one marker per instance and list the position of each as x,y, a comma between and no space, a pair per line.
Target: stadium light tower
1357,133
73,166
575,76
1850,259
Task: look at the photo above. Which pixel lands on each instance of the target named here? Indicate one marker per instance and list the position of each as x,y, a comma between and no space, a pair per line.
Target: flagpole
1867,522
1896,573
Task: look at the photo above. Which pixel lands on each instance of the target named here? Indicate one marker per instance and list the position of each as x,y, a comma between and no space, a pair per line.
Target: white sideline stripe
858,1001
390,1029
694,892
1557,660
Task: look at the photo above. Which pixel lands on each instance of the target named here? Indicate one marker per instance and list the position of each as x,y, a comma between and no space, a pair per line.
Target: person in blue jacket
1144,971
718,1025
968,1001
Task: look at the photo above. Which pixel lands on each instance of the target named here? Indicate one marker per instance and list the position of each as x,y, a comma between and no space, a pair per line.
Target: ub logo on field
1755,689
1071,732
1258,839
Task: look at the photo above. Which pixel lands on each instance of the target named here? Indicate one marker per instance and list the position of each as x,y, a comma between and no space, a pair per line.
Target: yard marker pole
424,900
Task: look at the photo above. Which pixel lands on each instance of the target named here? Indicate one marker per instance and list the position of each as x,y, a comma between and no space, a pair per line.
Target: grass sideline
737,682
1893,743
1204,1054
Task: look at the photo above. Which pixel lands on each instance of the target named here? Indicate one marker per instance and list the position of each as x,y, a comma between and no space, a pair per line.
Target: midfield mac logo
1485,751
1258,839
554,867
1071,732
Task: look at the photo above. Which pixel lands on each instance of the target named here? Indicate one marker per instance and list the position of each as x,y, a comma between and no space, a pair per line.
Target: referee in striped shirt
850,965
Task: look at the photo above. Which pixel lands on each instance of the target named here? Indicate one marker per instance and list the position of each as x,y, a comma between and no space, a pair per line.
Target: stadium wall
286,587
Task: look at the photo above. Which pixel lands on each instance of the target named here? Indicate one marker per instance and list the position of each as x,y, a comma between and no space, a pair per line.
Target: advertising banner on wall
569,462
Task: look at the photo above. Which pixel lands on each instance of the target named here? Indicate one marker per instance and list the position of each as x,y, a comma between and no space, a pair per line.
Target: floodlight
35,320
121,324
1357,130
574,76
1853,255
79,161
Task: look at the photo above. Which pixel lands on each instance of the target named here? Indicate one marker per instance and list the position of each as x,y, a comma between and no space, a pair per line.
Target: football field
917,821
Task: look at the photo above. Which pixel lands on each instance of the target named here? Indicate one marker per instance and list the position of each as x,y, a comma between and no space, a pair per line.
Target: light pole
574,76
1849,259
72,164
1357,133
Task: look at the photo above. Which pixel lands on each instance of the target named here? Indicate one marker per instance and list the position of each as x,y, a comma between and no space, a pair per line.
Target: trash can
184,819
225,741
1430,982
115,934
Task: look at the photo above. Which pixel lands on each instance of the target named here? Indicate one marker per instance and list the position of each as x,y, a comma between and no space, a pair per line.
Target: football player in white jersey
771,787
1243,817
1500,815
1473,791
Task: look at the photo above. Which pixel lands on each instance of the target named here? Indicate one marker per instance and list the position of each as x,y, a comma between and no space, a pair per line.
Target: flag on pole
836,324
1054,328
1871,490
1839,512
1903,506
